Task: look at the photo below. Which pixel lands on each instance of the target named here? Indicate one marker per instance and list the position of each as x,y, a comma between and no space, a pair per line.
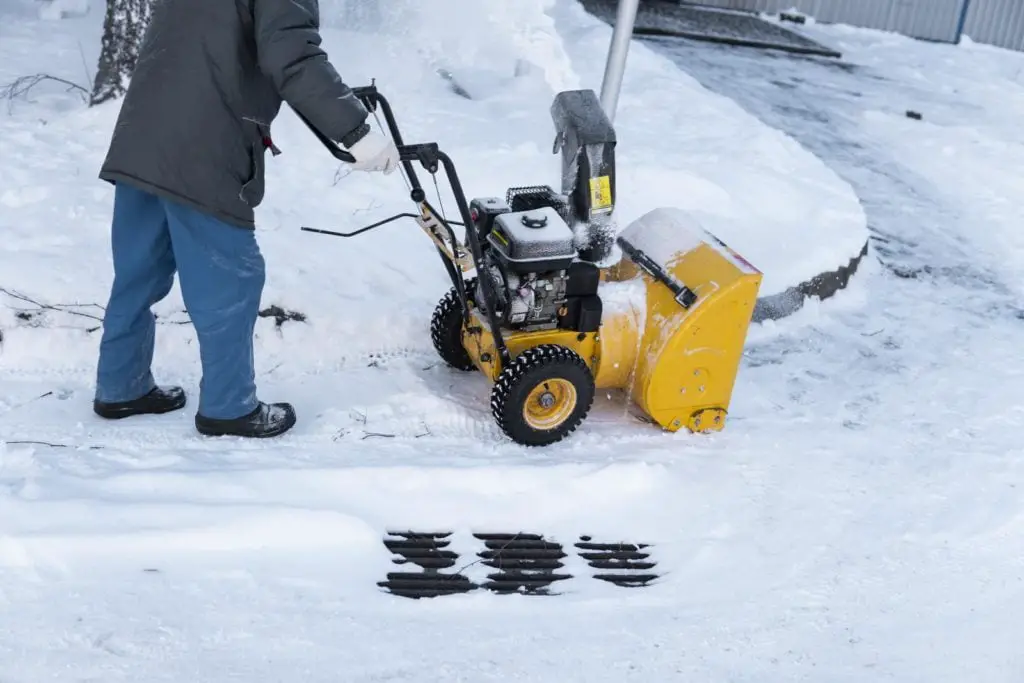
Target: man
187,163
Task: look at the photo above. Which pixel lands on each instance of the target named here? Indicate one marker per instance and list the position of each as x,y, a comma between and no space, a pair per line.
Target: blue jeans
221,272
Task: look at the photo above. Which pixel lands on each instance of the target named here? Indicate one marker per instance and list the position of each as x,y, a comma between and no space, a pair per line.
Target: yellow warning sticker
600,193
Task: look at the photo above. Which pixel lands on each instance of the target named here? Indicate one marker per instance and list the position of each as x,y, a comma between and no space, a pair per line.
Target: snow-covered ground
858,520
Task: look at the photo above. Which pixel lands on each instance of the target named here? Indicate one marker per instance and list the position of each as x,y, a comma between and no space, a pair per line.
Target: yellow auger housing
677,308
685,365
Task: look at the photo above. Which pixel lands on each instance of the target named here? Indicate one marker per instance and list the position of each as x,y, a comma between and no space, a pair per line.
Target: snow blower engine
537,309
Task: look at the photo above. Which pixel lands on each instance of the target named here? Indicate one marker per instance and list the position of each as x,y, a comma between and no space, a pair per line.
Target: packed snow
664,234
859,514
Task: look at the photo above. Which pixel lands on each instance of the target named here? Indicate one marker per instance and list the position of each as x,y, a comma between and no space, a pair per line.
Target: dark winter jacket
194,125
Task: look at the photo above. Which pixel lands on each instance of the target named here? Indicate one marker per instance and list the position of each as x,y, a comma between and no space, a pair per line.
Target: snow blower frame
532,318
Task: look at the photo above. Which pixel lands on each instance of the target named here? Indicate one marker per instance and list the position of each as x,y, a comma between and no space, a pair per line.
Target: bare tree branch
63,308
21,86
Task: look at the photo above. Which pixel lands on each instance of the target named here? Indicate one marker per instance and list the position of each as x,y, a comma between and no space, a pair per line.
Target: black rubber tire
528,370
446,329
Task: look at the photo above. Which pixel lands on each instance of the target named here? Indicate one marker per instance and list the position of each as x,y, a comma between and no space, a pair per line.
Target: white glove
375,152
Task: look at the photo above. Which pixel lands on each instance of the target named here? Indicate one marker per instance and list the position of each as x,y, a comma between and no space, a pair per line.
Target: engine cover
532,241
530,262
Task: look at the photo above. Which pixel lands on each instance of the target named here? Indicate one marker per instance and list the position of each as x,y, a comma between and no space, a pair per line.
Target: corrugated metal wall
996,22
927,19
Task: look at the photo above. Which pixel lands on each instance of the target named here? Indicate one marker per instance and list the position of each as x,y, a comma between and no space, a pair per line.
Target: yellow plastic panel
689,358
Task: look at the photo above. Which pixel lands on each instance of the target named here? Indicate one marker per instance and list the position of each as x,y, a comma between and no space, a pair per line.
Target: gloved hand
375,152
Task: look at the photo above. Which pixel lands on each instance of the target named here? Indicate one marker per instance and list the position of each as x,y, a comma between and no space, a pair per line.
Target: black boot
160,400
265,421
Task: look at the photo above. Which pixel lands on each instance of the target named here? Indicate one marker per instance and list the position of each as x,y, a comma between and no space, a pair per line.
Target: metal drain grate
525,562
426,550
521,562
624,564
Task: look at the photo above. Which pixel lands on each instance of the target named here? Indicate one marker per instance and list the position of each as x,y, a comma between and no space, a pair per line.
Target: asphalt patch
665,18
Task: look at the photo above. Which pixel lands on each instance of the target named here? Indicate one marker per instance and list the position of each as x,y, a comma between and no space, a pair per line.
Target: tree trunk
123,29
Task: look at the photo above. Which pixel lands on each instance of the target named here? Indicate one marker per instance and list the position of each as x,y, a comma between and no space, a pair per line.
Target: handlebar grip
339,153
405,152
370,97
364,93
333,147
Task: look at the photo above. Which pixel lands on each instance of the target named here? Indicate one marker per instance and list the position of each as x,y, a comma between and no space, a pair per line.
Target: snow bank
487,37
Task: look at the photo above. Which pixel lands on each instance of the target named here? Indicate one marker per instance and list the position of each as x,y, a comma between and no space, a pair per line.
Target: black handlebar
371,99
427,154
431,158
332,146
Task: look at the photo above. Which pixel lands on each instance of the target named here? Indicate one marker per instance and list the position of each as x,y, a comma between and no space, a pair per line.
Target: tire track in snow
401,394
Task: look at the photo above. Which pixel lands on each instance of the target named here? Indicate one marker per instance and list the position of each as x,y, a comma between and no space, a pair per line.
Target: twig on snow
85,66
159,321
20,87
29,442
61,308
497,553
67,308
31,400
367,435
339,176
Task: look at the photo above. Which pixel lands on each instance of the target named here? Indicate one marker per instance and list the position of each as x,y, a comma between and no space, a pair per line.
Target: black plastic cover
586,138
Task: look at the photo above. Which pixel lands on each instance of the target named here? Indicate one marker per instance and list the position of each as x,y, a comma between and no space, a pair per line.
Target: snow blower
533,308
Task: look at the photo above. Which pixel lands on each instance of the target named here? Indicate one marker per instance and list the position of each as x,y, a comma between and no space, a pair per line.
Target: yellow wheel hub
549,404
